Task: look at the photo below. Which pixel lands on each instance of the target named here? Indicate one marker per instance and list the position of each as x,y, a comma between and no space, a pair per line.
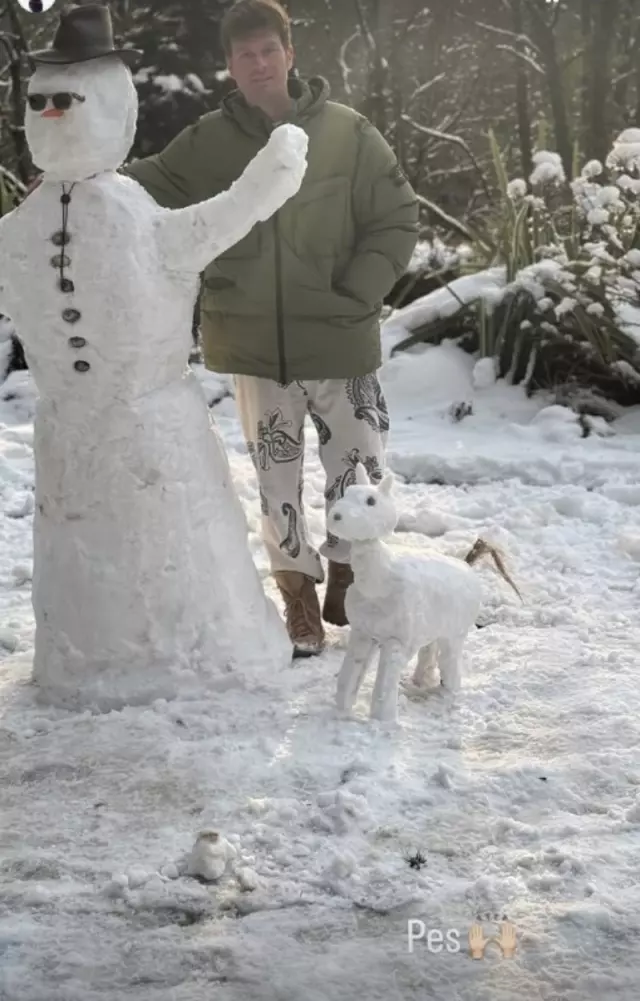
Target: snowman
144,586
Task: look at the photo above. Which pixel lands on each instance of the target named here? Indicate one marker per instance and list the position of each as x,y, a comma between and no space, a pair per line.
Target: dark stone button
60,261
71,315
81,366
77,342
60,238
65,198
66,285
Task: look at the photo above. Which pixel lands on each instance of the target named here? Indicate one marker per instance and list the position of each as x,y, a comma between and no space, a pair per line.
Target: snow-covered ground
522,794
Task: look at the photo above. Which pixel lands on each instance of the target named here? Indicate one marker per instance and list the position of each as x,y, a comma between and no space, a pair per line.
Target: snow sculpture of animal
400,604
144,583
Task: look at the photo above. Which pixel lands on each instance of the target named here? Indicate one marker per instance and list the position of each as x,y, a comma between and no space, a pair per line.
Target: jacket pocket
320,217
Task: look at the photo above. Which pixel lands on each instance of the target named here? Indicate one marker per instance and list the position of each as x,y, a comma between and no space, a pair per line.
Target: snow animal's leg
384,701
450,662
351,419
426,672
354,668
190,238
272,418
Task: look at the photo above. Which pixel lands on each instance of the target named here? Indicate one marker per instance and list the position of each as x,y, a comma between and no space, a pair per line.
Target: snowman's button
60,261
65,198
77,342
66,285
71,315
81,366
60,238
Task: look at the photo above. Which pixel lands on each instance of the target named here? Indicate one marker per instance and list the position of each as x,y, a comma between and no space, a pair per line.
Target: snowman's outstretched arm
190,238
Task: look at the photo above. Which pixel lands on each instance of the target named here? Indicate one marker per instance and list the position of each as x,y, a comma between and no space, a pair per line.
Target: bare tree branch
447,137
522,55
555,17
448,220
509,34
345,69
364,26
568,60
424,87
412,21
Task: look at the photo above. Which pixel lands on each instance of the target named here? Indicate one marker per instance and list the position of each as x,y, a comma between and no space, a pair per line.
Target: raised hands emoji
507,939
477,941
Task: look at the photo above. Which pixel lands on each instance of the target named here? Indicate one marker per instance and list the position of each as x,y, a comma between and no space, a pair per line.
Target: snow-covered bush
432,264
568,305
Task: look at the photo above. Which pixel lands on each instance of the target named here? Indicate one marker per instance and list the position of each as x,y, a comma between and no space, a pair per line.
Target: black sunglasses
61,102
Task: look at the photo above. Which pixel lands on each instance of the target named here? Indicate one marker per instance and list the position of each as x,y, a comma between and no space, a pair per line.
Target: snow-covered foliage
548,169
435,255
558,296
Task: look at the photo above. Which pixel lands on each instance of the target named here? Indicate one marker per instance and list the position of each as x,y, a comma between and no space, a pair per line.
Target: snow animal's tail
481,548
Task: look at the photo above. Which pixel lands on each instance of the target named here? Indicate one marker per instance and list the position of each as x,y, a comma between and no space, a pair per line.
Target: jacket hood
309,97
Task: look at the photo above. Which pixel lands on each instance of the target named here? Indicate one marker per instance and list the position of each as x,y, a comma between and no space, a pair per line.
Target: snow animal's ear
386,484
362,476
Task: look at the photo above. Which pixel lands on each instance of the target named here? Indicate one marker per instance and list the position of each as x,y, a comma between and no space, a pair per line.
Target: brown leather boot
340,578
302,612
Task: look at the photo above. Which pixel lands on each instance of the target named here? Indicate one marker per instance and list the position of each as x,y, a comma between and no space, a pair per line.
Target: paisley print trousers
351,422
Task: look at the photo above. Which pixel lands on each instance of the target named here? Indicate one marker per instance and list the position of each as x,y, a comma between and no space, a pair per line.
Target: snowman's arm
190,238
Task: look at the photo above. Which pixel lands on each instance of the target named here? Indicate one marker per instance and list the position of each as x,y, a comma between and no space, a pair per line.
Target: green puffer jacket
300,296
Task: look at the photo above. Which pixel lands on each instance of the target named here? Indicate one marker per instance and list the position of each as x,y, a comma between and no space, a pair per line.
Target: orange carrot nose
52,113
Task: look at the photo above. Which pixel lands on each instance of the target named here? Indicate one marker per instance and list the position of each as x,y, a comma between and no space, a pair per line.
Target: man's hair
245,17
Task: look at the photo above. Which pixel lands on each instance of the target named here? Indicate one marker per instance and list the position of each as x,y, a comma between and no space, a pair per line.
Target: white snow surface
522,792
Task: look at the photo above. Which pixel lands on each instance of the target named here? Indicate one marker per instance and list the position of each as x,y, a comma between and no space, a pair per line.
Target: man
292,311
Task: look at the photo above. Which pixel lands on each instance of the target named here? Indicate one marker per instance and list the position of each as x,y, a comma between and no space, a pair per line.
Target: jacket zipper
282,361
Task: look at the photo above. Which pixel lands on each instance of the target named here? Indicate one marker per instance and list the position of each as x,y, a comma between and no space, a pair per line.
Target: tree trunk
544,35
598,138
586,27
375,102
629,58
522,95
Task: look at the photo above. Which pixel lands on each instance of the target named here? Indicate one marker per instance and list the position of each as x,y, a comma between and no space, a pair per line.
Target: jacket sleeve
386,214
173,176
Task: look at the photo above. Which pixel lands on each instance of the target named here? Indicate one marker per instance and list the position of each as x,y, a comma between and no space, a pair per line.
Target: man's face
260,66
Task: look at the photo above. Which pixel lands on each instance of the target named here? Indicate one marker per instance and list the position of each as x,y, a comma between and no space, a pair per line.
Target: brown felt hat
84,32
